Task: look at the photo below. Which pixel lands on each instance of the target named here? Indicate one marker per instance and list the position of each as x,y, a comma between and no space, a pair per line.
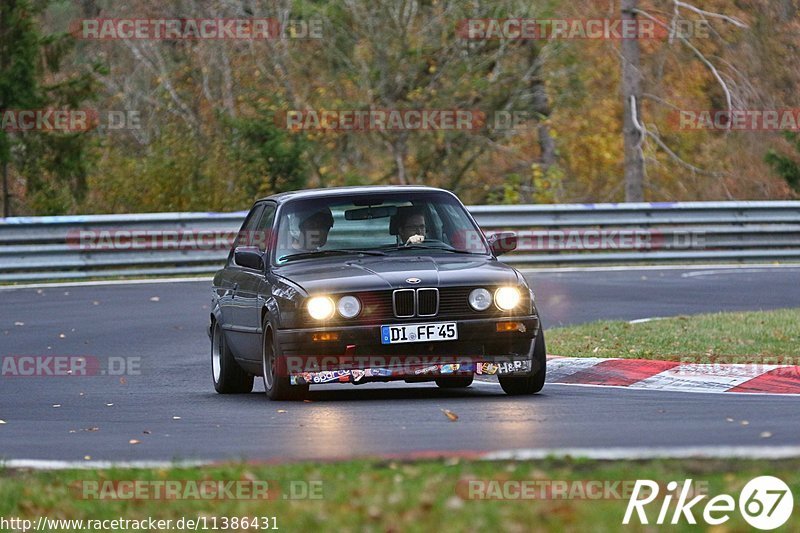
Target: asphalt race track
170,407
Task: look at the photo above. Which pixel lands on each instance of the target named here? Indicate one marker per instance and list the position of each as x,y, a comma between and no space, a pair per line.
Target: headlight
321,308
506,298
480,299
349,306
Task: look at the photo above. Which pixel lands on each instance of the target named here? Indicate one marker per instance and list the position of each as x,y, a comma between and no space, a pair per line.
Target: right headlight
507,298
480,299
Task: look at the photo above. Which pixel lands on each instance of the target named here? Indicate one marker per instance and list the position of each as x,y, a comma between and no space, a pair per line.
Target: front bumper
480,334
480,348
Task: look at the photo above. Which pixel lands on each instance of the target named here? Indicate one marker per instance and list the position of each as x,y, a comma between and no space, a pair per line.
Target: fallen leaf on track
450,415
133,441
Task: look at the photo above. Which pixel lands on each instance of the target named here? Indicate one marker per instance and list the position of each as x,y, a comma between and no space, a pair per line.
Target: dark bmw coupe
364,284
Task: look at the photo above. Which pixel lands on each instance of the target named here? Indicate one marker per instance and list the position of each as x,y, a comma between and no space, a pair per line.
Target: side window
244,237
263,237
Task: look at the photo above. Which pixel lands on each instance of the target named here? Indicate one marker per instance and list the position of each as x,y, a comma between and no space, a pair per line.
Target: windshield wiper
422,247
323,253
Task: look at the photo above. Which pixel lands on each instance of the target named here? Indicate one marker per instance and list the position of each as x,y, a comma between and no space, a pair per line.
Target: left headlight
321,308
507,298
349,306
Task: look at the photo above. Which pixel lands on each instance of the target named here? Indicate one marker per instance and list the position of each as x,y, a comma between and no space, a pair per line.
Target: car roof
345,191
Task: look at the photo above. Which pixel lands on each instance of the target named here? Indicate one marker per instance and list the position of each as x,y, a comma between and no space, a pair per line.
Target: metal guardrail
33,248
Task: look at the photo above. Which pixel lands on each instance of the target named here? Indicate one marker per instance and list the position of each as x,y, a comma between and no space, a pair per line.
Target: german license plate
431,332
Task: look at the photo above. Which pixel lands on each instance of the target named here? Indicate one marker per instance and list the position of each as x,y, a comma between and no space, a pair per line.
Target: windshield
376,224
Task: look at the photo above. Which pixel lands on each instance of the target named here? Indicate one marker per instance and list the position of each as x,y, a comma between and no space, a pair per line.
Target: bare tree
635,131
632,131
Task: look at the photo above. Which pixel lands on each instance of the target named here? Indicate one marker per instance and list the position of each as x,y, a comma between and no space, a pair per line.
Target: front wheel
228,376
533,382
277,386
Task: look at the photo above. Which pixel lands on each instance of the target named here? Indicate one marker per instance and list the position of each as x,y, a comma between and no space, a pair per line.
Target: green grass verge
751,337
395,496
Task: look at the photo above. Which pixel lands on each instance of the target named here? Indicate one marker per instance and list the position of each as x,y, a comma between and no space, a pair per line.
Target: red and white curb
648,374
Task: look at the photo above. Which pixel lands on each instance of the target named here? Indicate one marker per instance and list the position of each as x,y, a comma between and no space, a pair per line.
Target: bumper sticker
357,375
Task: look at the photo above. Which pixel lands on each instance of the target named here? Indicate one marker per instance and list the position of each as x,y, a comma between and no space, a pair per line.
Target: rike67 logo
765,503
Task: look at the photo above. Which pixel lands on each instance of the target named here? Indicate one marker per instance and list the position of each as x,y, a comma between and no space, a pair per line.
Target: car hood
333,275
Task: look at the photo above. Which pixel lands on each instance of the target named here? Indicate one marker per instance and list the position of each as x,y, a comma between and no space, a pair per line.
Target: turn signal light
324,336
510,326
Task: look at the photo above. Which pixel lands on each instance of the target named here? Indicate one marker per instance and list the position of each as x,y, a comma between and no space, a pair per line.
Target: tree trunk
632,96
6,201
547,145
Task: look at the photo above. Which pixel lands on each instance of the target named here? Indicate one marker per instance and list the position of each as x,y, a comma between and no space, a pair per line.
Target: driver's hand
415,239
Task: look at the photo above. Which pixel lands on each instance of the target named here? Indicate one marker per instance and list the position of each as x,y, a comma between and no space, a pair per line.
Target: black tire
460,382
532,383
277,387
228,376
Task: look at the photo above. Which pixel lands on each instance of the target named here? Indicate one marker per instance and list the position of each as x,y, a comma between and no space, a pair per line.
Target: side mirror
249,257
502,243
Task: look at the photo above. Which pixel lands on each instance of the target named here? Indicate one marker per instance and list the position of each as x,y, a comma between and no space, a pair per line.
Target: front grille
447,303
409,303
404,303
454,301
427,302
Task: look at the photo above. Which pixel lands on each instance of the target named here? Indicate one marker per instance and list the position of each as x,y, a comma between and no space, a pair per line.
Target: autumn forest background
208,138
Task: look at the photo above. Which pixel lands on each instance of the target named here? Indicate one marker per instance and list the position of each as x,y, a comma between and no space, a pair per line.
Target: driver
314,228
411,226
